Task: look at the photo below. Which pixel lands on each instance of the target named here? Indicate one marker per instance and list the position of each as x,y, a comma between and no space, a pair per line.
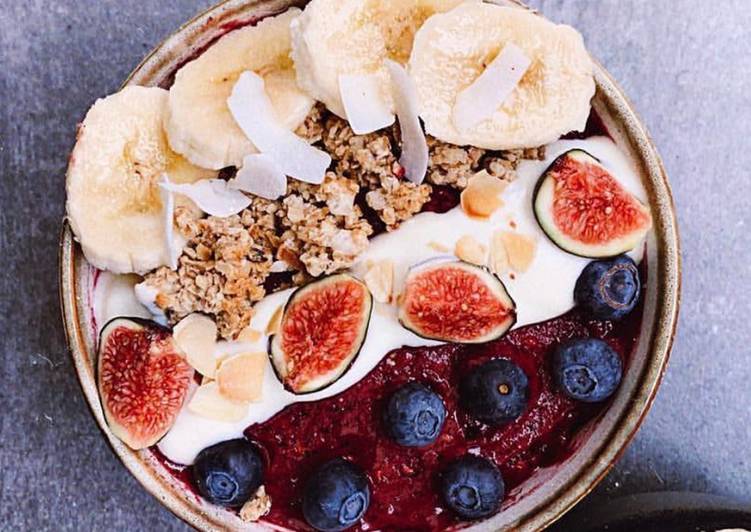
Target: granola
313,230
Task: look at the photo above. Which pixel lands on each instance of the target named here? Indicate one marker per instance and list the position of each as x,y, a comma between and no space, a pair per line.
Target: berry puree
404,481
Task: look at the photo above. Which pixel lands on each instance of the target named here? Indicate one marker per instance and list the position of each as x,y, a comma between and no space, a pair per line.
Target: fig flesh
143,380
585,211
454,301
322,330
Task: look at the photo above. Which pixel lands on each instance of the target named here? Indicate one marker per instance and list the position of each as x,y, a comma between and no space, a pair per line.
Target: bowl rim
603,458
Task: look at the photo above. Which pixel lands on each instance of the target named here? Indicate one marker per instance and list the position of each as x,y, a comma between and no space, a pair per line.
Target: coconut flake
491,89
261,177
213,196
364,104
414,157
253,112
168,203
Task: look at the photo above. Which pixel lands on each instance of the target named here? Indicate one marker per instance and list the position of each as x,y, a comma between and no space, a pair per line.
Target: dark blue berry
608,289
228,473
495,392
414,415
587,369
472,487
336,496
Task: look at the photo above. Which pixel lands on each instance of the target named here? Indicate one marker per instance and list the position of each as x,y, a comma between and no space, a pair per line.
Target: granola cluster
313,230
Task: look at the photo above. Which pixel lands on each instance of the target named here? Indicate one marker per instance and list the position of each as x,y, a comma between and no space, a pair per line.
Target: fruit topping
210,137
584,210
455,301
482,197
495,392
452,52
240,377
208,401
195,334
143,380
254,113
414,146
323,327
414,415
608,289
472,486
228,473
336,496
114,205
587,370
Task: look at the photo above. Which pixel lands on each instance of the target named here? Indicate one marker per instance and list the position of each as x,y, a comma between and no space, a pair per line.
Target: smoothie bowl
370,266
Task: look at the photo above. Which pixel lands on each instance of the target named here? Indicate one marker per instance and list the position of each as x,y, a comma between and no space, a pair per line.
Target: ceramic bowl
551,491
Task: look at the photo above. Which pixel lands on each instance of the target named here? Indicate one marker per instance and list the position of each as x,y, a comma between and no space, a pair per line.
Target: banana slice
451,51
114,204
336,37
199,124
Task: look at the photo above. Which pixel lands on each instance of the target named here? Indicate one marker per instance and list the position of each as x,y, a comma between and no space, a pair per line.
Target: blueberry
608,289
336,496
495,392
228,473
414,415
587,369
472,486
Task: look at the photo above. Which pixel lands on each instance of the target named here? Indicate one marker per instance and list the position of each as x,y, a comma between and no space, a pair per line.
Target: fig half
454,301
585,211
143,380
322,330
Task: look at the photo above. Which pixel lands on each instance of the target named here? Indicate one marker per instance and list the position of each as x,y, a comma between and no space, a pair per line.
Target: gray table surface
684,63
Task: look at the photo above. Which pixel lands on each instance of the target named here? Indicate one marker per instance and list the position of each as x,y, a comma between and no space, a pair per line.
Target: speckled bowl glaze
551,491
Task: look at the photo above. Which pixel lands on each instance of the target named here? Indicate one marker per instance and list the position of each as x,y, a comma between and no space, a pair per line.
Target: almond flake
440,248
415,155
240,377
261,177
196,336
209,402
256,507
520,249
482,99
470,250
482,197
212,196
366,108
252,110
249,334
380,280
498,257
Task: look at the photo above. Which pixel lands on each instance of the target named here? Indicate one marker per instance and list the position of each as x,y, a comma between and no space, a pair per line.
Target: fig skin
123,384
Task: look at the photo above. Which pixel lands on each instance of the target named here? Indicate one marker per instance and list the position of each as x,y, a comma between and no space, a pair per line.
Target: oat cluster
228,264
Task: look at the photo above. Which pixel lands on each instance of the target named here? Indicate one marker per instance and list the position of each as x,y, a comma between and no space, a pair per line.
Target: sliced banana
199,124
114,204
335,37
451,51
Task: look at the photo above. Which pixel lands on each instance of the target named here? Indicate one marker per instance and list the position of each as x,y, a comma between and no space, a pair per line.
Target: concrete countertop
685,65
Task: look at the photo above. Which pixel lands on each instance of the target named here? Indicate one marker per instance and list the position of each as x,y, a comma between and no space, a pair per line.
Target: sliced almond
196,336
482,197
498,257
275,323
380,280
209,402
520,249
256,507
470,250
437,246
240,377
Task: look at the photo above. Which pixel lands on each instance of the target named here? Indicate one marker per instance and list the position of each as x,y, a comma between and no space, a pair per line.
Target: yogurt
543,292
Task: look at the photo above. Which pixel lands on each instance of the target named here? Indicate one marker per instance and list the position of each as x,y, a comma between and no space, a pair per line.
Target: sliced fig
143,380
323,328
454,301
585,211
